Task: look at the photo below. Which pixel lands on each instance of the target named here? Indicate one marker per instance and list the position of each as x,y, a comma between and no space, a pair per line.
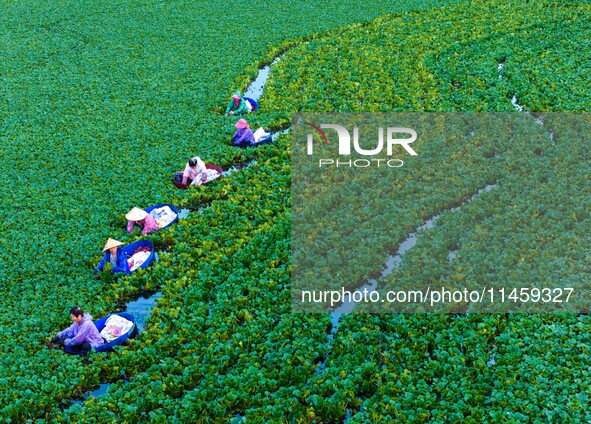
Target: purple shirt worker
81,336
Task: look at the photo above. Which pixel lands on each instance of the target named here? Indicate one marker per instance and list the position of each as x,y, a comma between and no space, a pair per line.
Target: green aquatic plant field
101,102
530,230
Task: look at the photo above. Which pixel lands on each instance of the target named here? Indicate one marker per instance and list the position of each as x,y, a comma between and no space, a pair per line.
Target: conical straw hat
112,243
136,214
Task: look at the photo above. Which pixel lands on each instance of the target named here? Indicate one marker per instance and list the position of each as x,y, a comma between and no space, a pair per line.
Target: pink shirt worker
141,218
194,170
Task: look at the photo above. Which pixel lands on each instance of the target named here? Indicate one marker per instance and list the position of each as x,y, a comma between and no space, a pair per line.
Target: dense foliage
529,230
101,101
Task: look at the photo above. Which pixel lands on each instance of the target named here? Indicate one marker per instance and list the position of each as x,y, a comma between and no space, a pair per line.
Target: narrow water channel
392,263
140,309
255,89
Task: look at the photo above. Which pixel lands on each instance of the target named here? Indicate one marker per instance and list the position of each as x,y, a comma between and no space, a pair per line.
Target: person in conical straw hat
142,219
115,256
